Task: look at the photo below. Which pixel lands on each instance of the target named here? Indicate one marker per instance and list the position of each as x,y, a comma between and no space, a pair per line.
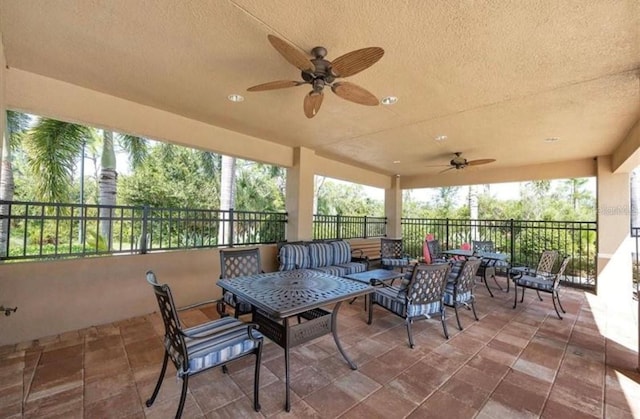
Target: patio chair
234,263
435,251
459,292
199,348
544,267
546,284
421,298
392,254
488,267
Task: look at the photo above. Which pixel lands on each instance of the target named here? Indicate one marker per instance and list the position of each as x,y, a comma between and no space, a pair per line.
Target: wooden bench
369,248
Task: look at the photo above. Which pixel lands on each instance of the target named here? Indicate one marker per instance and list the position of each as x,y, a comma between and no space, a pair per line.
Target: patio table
276,297
489,258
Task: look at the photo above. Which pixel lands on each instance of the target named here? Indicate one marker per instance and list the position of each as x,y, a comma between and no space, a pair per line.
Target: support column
393,208
614,250
300,195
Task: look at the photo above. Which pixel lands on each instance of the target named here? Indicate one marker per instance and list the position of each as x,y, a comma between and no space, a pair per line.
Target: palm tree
16,124
227,195
53,148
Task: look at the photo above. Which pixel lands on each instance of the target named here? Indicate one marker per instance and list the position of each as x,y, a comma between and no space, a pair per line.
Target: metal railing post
366,230
231,225
512,240
338,226
446,229
143,238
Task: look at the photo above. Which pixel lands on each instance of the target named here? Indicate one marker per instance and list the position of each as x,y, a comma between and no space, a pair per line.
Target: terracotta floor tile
519,399
466,393
385,403
357,385
308,381
218,390
495,409
478,378
122,404
442,404
241,408
67,402
167,408
554,410
331,401
535,370
272,399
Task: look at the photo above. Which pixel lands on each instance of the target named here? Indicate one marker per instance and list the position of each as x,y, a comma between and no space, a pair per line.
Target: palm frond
53,147
137,148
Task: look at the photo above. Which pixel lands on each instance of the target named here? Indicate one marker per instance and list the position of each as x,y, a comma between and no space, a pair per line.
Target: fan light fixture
389,100
234,97
551,140
440,138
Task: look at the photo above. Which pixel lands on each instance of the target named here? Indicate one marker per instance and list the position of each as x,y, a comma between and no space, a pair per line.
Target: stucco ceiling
496,77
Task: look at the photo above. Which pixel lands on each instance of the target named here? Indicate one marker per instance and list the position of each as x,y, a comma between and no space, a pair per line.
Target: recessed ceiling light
441,138
235,97
551,139
396,161
389,100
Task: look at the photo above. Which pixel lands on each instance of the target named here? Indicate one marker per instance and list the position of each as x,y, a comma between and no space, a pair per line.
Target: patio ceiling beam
558,170
626,156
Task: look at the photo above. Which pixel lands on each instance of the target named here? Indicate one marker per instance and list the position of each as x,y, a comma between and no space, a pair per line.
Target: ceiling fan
319,72
458,162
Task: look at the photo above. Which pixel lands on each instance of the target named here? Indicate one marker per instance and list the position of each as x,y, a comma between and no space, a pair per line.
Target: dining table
490,261
278,298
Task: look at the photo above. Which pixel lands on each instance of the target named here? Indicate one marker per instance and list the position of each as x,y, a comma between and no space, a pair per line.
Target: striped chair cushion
393,299
535,282
456,267
395,262
353,267
243,305
212,351
320,254
332,270
448,296
204,353
294,256
341,252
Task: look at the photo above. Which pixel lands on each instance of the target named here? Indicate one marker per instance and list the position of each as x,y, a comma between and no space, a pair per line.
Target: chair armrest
189,307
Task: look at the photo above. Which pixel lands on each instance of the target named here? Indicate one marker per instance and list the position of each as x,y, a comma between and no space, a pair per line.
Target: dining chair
420,299
544,267
234,263
392,254
459,291
435,251
197,349
543,283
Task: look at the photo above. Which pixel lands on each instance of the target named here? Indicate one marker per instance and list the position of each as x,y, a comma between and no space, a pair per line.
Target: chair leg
455,308
522,298
183,396
256,380
221,309
473,308
515,295
539,296
151,399
408,323
554,306
443,318
559,302
486,282
370,319
225,370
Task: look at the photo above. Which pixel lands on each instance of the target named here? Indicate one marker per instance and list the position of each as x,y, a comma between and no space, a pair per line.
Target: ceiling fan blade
292,54
446,170
354,93
280,84
355,61
479,162
312,103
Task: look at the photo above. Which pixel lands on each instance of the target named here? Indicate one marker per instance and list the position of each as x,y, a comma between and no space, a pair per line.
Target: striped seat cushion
320,254
535,282
332,270
341,252
393,299
353,267
456,267
395,262
294,256
243,306
461,298
212,351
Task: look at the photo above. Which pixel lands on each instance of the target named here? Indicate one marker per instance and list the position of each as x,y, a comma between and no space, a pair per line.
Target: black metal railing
348,227
38,230
522,240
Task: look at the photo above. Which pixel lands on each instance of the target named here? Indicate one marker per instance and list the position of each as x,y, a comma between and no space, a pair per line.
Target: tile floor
512,363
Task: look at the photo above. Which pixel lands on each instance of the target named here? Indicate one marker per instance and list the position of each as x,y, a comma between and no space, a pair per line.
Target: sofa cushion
332,270
320,254
341,252
353,267
294,256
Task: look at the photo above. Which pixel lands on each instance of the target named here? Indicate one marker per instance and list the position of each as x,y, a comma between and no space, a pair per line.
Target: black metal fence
524,241
348,227
38,230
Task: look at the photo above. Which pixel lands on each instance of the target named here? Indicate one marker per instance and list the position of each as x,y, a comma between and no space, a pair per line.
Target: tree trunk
108,188
6,192
473,211
227,197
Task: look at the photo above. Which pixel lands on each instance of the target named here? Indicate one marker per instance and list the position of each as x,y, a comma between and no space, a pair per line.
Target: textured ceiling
495,77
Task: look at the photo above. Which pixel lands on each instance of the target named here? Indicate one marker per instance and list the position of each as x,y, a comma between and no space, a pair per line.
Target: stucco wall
58,296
